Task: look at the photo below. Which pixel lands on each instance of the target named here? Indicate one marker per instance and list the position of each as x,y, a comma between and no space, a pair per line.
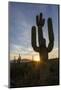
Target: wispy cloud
54,53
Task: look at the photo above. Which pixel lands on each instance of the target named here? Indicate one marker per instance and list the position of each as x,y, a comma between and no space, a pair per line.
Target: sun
36,58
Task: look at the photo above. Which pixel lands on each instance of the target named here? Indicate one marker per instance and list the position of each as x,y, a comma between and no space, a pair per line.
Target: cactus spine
42,49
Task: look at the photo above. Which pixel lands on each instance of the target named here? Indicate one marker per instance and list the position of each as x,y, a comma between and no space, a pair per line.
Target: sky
22,16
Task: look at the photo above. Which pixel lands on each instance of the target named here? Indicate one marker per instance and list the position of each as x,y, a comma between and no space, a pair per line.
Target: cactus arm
33,39
50,46
37,20
50,34
42,20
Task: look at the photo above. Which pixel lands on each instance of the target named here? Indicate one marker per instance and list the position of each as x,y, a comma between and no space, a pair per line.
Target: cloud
15,50
54,53
20,49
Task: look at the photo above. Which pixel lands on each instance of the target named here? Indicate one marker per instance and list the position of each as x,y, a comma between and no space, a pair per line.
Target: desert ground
28,74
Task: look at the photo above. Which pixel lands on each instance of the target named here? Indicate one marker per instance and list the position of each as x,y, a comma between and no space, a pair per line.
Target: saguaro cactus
42,49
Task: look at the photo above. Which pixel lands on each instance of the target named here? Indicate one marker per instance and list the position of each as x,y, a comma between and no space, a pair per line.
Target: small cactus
19,59
42,49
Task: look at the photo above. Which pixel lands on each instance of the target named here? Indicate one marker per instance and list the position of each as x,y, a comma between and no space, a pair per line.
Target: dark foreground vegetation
27,74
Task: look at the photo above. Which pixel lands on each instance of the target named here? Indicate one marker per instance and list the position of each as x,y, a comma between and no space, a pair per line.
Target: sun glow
36,58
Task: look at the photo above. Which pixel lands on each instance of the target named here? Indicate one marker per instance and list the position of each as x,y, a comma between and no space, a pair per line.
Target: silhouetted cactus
19,59
42,49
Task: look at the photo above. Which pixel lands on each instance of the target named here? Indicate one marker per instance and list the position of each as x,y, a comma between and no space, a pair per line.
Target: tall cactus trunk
43,54
41,40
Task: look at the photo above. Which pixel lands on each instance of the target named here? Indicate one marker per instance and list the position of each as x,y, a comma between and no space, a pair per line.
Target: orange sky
35,56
